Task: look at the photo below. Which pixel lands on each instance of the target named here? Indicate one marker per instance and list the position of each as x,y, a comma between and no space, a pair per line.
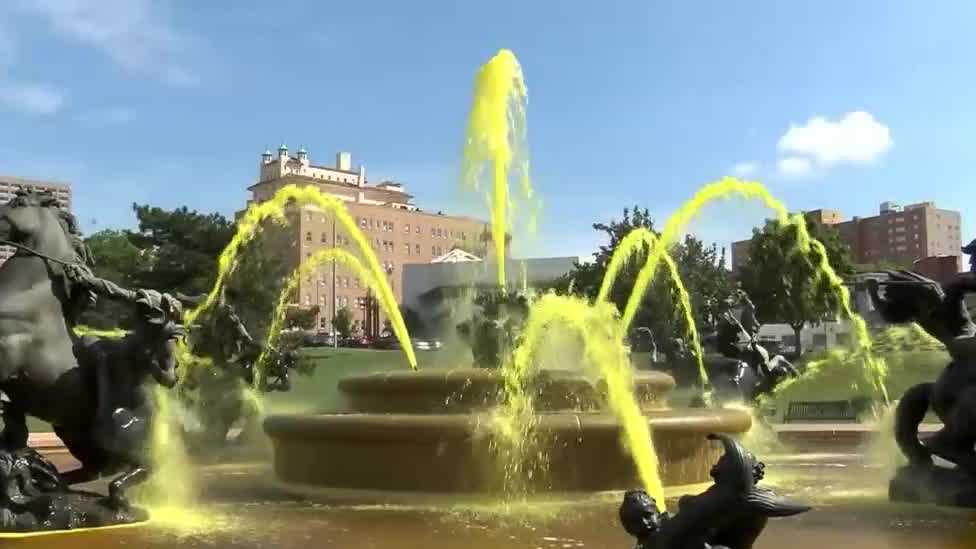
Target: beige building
398,231
897,234
9,186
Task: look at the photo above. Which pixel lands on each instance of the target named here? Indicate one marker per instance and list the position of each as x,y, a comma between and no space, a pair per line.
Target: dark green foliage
702,270
177,251
302,318
343,322
783,282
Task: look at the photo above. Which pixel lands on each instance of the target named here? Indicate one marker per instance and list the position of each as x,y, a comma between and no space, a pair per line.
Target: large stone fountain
431,431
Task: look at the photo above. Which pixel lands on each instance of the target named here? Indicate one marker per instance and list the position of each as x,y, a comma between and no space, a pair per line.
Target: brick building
900,235
398,231
9,186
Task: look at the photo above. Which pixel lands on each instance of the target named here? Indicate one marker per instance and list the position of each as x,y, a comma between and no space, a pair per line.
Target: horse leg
15,431
117,489
955,441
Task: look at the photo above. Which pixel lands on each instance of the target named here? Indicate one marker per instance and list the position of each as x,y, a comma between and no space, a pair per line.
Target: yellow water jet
631,245
275,209
304,269
496,134
731,186
602,333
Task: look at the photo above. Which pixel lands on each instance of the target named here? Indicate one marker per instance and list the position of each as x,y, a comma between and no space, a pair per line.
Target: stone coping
454,426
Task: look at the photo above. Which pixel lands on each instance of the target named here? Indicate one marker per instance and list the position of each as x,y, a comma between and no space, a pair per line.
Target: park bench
833,410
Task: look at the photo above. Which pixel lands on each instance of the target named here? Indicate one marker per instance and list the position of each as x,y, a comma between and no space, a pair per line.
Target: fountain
513,454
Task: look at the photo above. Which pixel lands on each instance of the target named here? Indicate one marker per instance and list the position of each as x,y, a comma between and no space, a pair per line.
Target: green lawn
834,379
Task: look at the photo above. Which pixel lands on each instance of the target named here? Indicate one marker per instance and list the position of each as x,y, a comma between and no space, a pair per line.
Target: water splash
82,330
728,187
630,246
170,493
602,333
496,134
275,209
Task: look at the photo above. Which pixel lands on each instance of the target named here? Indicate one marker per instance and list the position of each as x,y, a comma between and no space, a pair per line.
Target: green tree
782,281
116,259
302,318
180,248
177,251
702,269
342,322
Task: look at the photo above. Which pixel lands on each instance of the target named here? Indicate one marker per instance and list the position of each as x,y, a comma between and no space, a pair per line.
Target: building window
418,229
371,223
308,299
406,249
406,229
362,222
433,250
308,216
418,249
325,238
355,282
464,236
308,236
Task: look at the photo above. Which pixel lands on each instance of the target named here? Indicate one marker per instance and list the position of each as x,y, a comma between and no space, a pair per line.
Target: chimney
343,161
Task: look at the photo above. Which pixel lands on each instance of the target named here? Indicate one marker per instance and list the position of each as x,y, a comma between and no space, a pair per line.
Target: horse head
161,334
35,221
908,297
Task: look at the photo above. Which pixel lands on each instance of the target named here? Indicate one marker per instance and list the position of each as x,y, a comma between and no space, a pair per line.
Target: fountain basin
471,389
452,453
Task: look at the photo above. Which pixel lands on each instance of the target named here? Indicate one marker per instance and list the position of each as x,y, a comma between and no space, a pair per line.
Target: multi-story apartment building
9,186
397,230
900,235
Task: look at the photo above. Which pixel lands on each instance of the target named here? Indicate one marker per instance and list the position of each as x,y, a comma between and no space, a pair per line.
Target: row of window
340,301
385,246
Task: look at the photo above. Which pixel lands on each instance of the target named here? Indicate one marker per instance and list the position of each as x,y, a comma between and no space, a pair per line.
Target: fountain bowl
392,436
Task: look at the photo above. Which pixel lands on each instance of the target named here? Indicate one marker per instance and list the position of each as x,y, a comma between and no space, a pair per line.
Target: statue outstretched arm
110,289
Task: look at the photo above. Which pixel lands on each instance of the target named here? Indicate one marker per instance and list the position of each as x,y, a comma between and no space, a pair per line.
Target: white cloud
856,138
135,34
794,166
745,169
31,98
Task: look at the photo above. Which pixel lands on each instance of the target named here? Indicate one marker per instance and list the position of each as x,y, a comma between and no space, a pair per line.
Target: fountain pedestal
430,431
933,484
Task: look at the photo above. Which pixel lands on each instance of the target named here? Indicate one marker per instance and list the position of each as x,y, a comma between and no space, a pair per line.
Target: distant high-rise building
396,229
900,235
9,186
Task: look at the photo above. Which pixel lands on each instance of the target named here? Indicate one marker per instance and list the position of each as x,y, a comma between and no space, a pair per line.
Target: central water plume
730,186
633,244
275,209
496,134
599,327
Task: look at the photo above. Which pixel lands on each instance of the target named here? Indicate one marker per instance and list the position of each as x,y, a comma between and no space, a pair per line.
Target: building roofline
15,180
317,181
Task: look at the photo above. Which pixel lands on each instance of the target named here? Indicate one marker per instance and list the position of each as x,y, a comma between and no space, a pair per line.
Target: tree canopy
177,250
702,269
783,282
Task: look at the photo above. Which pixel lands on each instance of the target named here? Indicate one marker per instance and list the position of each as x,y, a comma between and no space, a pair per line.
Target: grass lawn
835,379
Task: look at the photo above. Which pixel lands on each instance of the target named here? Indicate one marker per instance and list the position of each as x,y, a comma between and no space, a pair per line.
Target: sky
832,104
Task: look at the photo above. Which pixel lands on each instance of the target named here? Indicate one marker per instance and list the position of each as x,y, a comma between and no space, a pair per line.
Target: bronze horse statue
902,297
40,370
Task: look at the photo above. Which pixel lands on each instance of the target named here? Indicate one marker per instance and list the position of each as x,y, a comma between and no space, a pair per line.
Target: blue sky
171,103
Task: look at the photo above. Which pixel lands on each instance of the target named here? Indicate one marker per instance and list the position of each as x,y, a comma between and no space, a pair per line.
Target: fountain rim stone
365,426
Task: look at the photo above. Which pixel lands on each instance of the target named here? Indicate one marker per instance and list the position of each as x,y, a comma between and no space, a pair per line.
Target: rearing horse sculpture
39,365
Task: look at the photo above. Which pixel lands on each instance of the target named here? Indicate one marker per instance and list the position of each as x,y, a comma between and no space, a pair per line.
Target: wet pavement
242,507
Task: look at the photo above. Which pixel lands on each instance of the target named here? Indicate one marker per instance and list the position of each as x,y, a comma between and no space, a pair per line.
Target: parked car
388,342
319,339
426,344
355,342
